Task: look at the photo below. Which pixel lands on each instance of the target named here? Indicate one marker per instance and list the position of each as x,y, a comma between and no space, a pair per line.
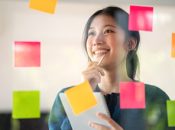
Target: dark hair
121,17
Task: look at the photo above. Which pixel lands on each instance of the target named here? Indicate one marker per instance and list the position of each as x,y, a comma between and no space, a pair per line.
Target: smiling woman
115,29
107,31
112,53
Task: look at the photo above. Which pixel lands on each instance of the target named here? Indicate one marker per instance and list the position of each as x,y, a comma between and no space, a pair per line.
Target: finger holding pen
94,72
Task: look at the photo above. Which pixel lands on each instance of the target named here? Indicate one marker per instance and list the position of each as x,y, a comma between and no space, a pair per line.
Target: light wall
62,55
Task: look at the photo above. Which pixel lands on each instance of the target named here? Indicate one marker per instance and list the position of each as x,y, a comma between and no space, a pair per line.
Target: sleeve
58,119
162,98
158,111
163,107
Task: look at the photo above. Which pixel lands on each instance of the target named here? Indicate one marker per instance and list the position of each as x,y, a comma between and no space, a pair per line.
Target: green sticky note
171,113
26,104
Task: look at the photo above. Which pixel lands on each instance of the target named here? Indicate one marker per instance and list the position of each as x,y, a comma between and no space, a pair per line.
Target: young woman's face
106,38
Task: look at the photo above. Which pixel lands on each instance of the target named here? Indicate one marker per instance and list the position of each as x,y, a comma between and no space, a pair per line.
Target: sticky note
171,113
81,98
27,54
47,6
132,95
173,45
26,104
140,18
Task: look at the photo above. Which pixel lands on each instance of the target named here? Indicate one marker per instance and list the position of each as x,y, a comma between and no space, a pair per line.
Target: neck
110,81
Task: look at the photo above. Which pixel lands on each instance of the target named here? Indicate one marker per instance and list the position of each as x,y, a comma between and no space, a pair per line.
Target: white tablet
80,122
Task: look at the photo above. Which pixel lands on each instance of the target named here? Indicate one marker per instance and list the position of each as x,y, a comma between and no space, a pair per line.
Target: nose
98,39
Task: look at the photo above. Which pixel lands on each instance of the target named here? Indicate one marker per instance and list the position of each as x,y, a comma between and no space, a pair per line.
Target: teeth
101,51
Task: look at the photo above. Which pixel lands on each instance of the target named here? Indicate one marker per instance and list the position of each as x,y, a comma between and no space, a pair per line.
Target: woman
107,40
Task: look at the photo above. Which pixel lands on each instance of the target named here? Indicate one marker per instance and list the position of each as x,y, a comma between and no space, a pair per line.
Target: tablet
80,122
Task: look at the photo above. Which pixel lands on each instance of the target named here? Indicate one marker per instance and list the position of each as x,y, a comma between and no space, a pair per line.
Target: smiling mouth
101,52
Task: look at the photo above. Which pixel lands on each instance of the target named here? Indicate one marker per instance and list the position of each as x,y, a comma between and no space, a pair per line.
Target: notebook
80,122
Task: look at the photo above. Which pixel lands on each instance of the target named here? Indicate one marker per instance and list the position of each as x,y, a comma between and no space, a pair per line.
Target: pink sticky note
141,18
132,95
27,54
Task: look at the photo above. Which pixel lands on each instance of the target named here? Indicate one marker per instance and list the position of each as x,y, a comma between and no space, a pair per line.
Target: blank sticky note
171,113
47,6
81,97
173,45
26,104
141,18
132,95
27,54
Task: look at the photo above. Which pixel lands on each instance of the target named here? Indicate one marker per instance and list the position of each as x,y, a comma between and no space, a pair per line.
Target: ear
132,44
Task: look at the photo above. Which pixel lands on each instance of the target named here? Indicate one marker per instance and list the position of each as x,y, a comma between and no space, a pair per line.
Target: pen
101,60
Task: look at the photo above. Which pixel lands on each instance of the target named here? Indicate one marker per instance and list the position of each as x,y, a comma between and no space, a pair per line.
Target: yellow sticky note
47,6
81,97
173,45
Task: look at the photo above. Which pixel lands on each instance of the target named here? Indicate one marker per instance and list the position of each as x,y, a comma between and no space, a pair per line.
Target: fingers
93,74
90,64
106,118
112,124
98,126
93,65
109,121
96,77
98,69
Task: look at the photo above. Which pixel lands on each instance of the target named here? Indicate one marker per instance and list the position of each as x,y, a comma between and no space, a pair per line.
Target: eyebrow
106,26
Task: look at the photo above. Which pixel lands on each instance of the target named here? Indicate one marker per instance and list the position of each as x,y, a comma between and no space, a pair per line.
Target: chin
108,65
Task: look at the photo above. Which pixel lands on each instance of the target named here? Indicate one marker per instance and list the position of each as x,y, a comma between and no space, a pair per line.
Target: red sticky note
27,54
141,18
132,95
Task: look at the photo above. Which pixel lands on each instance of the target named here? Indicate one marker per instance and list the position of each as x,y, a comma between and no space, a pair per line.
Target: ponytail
132,62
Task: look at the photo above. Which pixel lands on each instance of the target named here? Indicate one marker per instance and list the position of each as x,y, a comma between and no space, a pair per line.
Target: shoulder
57,108
57,101
156,107
64,89
155,93
57,115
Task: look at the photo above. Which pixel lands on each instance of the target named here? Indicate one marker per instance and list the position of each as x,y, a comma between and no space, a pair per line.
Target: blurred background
62,54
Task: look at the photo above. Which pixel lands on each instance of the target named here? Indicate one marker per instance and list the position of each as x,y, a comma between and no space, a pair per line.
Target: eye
91,33
109,31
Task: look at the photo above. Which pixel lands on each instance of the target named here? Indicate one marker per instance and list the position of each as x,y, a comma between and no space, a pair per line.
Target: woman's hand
112,123
93,74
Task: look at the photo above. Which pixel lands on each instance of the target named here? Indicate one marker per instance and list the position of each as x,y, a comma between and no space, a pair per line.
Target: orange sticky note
173,45
47,6
81,97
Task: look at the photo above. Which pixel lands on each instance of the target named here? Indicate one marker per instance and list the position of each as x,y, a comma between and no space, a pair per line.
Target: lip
100,51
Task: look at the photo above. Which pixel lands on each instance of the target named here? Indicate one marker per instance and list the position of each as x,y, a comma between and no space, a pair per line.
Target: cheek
118,50
115,43
88,47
